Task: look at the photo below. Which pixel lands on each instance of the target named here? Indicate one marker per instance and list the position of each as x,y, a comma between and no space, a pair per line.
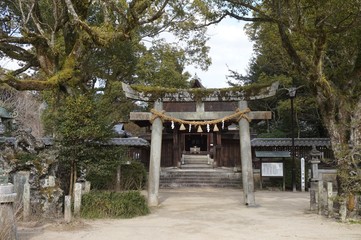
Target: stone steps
199,178
195,161
196,166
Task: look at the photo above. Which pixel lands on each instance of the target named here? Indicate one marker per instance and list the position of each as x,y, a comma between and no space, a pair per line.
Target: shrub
133,176
104,204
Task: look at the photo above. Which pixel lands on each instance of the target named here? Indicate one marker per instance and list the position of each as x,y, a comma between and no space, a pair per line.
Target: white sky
230,49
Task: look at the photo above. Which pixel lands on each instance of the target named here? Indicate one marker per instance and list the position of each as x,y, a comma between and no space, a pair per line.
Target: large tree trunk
344,126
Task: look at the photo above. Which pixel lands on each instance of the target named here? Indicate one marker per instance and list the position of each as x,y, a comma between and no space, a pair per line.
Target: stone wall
29,160
328,175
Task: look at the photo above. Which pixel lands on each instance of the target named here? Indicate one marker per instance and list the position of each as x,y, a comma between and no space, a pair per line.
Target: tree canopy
317,44
69,45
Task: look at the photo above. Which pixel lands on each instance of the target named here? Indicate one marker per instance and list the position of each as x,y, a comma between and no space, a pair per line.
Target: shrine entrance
196,141
201,116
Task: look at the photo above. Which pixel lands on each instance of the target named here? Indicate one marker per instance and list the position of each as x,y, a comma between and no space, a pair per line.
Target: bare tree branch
157,15
16,52
250,19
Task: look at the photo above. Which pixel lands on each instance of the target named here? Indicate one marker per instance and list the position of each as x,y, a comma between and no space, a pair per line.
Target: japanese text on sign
272,169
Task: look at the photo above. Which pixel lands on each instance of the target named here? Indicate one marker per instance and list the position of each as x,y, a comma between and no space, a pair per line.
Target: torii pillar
155,155
246,158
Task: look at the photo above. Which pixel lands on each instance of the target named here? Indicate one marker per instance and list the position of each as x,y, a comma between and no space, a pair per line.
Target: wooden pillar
246,158
176,146
155,155
219,149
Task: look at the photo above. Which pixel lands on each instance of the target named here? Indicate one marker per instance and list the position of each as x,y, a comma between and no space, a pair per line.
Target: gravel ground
207,213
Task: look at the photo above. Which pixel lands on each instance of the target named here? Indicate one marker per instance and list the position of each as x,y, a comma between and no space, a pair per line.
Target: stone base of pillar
313,196
152,200
8,229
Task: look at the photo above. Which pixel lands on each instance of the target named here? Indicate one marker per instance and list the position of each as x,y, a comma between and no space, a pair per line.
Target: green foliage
76,43
276,133
25,157
102,171
97,204
163,65
133,176
81,121
82,128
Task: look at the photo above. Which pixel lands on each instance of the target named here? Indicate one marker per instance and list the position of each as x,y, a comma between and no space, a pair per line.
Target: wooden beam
210,95
198,116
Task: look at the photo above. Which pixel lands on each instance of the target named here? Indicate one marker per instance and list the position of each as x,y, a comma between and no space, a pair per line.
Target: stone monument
8,229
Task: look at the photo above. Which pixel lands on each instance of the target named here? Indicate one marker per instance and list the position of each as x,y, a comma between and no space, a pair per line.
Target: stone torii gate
201,115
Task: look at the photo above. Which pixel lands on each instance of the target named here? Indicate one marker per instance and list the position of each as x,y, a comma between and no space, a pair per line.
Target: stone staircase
200,177
196,161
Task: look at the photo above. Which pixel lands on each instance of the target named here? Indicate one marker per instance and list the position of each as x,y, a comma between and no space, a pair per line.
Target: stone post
303,175
8,230
246,158
67,209
155,155
26,202
313,198
329,199
77,199
20,178
320,199
314,168
118,178
87,185
343,211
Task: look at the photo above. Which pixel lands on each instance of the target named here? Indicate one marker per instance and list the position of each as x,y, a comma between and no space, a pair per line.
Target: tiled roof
131,141
302,142
273,154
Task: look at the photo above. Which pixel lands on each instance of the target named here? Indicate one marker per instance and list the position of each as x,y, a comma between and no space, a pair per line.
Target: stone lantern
4,116
7,216
315,160
316,184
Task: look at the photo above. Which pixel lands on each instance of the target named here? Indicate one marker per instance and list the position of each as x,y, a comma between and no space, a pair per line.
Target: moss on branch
66,75
196,94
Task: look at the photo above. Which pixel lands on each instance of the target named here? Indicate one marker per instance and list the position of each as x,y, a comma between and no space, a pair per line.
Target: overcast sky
230,49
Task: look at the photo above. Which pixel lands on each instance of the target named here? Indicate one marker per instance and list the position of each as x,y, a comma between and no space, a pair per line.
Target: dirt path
189,214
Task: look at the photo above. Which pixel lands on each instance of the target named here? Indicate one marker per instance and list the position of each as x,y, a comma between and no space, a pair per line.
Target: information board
274,169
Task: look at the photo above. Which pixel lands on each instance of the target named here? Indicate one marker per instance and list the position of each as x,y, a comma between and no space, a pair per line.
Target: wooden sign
272,169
